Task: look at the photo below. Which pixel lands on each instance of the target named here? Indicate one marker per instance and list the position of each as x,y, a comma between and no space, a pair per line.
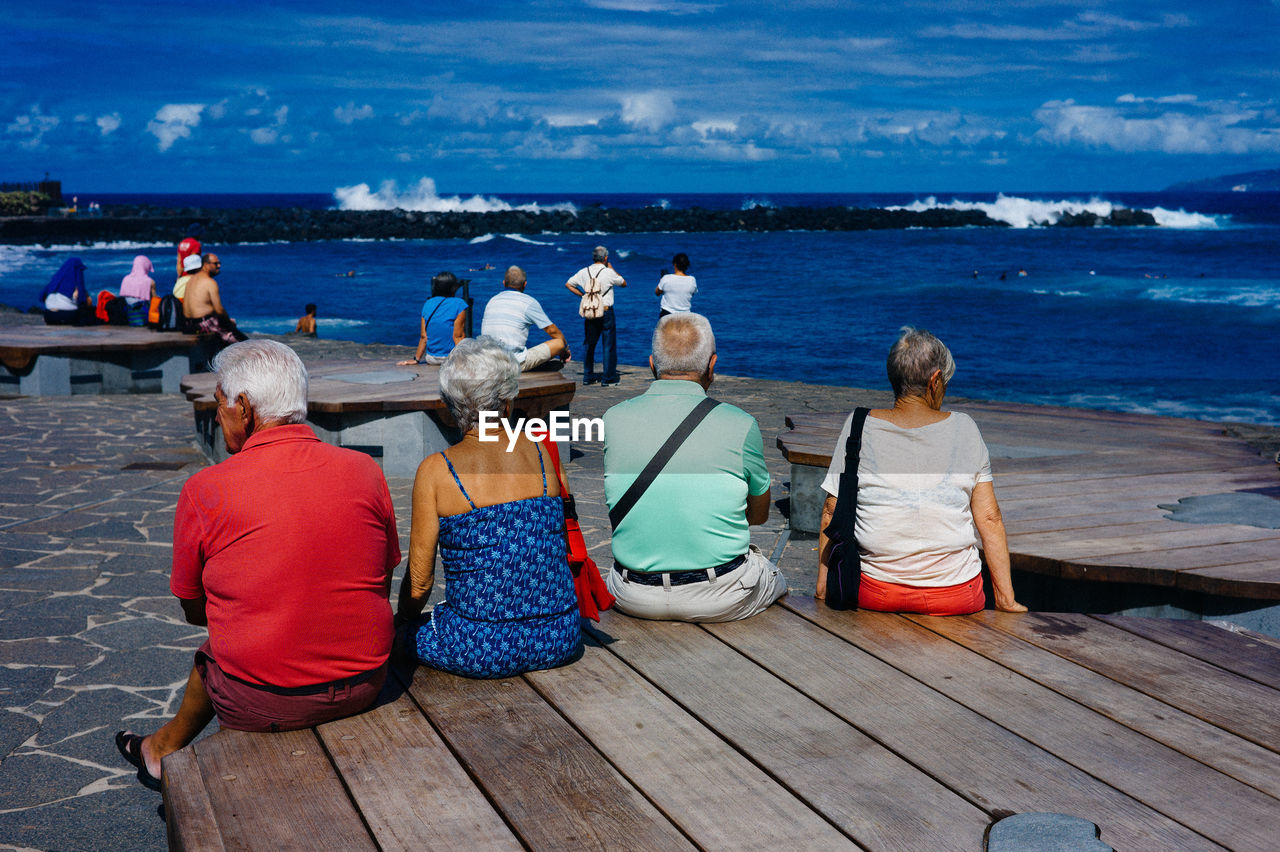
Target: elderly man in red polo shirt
285,550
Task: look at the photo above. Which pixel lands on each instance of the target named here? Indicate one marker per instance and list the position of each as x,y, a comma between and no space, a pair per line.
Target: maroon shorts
243,706
960,599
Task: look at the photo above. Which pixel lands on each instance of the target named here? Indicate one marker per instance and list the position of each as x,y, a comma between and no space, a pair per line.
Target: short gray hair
599,254
515,277
480,374
683,343
270,375
914,358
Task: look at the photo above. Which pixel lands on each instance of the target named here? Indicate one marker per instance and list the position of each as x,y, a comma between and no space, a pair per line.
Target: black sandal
130,747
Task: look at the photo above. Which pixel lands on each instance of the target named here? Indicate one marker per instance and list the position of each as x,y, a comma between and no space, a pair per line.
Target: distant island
1267,180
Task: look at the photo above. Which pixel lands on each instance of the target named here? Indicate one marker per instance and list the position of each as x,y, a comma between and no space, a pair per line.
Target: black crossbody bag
659,460
844,565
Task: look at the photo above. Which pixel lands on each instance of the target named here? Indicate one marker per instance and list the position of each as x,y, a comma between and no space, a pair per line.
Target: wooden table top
338,387
801,728
1081,491
20,344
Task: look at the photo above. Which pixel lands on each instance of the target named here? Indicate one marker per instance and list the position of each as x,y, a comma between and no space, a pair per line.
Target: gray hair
914,358
480,374
269,374
599,254
683,343
515,277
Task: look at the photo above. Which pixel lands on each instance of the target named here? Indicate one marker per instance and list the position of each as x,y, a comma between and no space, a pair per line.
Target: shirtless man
203,307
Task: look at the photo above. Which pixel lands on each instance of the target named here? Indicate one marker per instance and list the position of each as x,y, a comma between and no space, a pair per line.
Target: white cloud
1210,128
670,6
1166,99
174,122
351,113
648,111
571,119
109,124
34,125
269,134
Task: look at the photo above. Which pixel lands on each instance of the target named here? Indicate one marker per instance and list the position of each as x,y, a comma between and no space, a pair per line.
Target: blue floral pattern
509,606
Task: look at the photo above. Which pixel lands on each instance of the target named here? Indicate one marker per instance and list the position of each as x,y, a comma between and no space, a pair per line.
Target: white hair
480,374
683,343
269,374
914,358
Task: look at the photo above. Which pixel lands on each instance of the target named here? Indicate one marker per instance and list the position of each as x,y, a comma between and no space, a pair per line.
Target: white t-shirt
508,316
677,292
603,275
914,525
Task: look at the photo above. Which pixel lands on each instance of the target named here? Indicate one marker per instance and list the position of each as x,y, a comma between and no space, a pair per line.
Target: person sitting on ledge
65,299
202,305
924,482
138,288
498,518
299,634
683,549
443,321
508,317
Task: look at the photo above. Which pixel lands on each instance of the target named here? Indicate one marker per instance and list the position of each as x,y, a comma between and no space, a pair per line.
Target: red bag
593,594
104,297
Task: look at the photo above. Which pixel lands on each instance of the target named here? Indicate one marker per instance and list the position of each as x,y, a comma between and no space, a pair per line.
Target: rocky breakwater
141,224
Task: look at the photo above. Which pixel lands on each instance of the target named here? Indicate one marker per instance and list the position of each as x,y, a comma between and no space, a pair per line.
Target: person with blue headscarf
65,299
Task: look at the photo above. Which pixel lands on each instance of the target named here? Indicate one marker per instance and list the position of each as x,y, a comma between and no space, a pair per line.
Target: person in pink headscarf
138,288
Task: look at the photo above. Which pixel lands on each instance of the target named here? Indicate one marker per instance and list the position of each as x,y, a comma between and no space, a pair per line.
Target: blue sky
638,95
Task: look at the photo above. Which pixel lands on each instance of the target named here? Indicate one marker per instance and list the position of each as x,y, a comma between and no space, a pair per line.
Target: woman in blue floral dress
498,519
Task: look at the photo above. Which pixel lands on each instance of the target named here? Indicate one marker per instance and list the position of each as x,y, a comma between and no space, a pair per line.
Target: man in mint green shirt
683,551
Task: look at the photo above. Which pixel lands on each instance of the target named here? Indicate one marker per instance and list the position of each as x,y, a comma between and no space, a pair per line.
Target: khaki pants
741,593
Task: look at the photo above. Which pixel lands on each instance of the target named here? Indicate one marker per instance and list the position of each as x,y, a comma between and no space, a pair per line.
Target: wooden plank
190,822
1130,538
410,790
1259,580
1227,700
1212,746
1184,791
977,757
1201,639
553,787
277,791
871,794
718,798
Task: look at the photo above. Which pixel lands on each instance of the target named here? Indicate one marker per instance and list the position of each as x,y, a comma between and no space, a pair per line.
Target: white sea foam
115,245
483,238
520,238
1032,213
756,202
423,197
1173,408
1217,293
13,258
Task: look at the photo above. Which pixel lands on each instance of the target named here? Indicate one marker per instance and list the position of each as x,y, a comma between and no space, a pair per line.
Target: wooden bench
393,413
37,360
800,728
1082,495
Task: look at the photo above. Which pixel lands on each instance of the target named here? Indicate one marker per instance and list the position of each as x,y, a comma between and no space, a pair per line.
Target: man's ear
245,409
653,369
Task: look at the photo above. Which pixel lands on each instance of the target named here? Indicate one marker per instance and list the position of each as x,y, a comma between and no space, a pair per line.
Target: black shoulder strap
659,460
845,515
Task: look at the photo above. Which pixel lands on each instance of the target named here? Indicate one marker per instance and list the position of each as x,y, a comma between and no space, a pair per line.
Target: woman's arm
460,327
422,346
424,532
995,546
824,547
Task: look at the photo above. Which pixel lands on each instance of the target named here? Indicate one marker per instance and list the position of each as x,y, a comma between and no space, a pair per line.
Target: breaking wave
422,197
1033,213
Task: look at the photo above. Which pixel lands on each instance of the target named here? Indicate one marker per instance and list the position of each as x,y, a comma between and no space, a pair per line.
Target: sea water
1181,320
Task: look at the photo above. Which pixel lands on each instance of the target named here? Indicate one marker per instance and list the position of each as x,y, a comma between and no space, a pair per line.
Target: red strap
593,594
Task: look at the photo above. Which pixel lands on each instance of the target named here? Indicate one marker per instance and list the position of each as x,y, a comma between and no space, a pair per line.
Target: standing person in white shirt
676,289
596,311
508,316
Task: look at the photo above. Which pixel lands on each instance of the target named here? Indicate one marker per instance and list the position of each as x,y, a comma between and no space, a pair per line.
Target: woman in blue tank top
498,519
443,321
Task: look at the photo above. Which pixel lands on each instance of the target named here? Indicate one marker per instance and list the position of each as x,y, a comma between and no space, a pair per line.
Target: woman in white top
676,289
924,484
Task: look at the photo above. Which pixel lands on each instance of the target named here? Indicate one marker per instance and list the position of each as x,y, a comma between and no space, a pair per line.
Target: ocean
1181,320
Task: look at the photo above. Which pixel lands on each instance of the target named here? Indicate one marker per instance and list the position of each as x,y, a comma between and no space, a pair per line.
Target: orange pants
961,599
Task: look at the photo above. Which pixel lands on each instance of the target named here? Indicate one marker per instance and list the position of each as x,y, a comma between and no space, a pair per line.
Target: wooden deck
802,728
1081,493
393,413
